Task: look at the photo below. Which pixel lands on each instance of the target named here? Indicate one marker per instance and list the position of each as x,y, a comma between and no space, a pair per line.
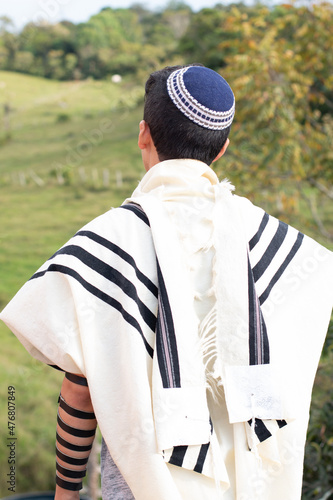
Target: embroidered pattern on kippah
189,106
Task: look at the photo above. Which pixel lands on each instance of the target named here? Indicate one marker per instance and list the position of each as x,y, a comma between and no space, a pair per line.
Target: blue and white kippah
203,96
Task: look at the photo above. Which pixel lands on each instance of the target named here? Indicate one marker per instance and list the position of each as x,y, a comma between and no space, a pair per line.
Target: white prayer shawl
117,305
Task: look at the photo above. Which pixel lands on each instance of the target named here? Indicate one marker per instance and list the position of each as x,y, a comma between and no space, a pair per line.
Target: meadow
68,152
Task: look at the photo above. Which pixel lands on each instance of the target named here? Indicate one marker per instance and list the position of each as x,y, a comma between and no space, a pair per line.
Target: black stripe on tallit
257,236
122,254
112,275
281,423
203,452
282,268
201,458
264,341
252,322
137,210
178,455
99,294
260,429
271,251
166,345
256,357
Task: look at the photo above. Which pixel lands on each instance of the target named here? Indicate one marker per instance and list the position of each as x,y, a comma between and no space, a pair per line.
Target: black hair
174,135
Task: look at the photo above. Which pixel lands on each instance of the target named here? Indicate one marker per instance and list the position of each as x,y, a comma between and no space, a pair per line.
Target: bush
318,464
63,117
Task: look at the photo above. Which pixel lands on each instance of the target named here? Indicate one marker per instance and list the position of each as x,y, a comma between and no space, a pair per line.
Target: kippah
203,96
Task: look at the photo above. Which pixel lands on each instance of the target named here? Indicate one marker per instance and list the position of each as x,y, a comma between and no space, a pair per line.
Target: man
189,322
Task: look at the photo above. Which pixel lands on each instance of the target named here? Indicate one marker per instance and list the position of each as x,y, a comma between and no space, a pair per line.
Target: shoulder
253,217
118,220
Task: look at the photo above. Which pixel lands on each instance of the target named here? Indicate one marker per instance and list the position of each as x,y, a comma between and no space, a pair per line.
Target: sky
24,11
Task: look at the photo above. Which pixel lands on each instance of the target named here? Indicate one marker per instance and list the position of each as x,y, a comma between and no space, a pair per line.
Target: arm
75,435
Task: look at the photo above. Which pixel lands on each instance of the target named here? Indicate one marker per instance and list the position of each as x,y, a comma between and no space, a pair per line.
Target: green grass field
71,154
99,134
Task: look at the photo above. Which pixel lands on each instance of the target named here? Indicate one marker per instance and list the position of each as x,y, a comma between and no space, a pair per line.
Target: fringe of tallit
208,328
209,352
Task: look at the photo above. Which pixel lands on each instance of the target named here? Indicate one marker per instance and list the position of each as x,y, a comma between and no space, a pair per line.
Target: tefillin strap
74,412
69,478
76,379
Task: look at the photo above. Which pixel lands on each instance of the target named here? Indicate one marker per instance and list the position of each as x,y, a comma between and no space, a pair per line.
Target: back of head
189,110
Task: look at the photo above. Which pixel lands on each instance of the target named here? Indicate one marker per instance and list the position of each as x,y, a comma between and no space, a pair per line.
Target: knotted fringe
209,352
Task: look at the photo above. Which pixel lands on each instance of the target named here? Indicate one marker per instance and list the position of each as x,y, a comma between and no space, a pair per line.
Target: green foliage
112,41
63,117
280,135
328,347
201,41
318,464
318,472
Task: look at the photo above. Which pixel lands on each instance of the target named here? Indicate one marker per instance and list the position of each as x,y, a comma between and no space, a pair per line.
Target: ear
144,135
223,150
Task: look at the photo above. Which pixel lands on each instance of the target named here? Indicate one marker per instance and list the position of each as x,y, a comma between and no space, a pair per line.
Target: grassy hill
71,155
59,124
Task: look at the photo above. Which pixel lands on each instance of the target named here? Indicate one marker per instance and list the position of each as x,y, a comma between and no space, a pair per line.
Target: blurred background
71,96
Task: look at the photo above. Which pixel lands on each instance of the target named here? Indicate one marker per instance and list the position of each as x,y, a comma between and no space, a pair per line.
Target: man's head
189,111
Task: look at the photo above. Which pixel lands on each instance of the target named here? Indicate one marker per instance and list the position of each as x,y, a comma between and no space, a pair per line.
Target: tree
177,17
318,464
281,136
24,62
9,42
202,38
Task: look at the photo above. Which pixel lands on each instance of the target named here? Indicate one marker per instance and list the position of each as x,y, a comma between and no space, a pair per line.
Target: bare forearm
75,434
